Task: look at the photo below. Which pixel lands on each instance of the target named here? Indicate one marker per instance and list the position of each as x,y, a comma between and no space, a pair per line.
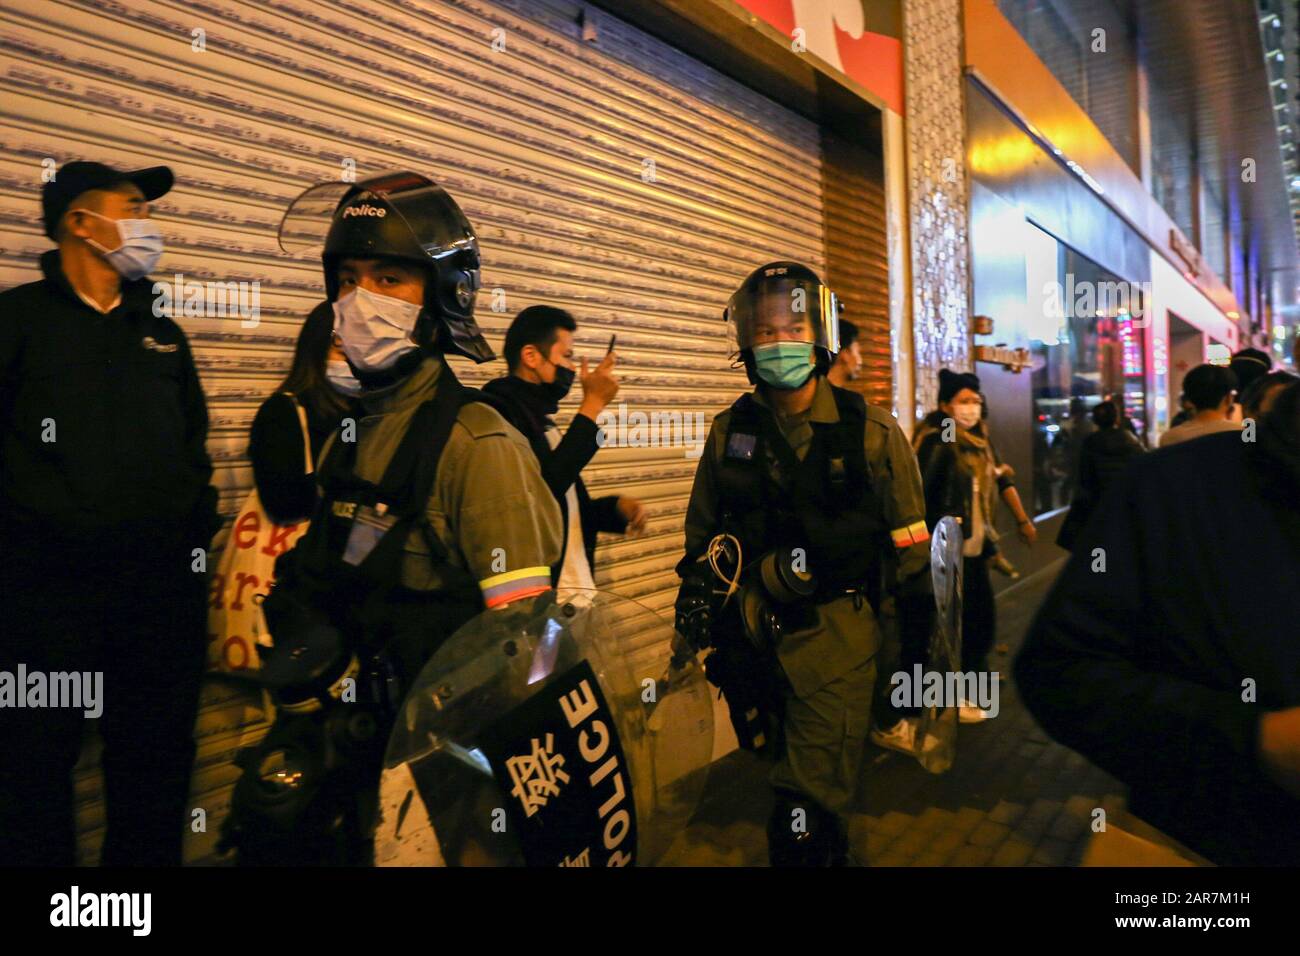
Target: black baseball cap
79,177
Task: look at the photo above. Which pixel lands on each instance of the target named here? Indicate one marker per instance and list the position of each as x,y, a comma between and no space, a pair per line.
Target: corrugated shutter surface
857,268
544,144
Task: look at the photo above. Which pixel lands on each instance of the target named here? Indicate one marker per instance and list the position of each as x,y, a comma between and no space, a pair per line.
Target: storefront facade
1080,257
622,175
631,161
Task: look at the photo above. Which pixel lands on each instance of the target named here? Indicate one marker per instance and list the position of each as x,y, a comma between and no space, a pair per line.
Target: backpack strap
850,473
309,463
742,473
408,480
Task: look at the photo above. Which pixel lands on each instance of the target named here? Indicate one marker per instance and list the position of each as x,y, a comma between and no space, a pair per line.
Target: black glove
694,617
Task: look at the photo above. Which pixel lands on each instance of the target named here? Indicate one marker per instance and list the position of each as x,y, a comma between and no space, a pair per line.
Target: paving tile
1042,811
876,843
1051,852
934,818
1067,827
1012,853
1006,812
946,842
968,818
894,822
971,856
912,843
1013,797
989,833
889,859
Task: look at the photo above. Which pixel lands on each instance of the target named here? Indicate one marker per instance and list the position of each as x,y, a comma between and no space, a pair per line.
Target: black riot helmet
405,216
780,296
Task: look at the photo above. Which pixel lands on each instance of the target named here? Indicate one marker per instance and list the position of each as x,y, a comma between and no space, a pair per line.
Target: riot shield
557,731
945,641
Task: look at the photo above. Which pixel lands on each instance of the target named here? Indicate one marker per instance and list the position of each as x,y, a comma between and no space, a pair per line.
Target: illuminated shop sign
863,39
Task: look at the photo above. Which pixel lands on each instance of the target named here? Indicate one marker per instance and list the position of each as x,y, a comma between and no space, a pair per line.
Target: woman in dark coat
962,478
1102,459
322,383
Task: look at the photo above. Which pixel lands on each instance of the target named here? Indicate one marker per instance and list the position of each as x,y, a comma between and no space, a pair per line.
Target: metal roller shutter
545,145
854,197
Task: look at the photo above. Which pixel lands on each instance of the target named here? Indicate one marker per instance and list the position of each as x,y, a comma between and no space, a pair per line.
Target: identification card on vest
741,446
368,527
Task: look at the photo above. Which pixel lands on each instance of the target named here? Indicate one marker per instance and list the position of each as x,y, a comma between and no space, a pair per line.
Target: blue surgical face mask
784,364
375,330
139,251
341,378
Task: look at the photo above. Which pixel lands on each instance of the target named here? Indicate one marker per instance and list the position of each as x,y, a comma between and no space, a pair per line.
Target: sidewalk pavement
1011,798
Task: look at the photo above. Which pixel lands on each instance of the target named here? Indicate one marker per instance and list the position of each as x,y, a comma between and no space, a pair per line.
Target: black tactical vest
824,504
347,567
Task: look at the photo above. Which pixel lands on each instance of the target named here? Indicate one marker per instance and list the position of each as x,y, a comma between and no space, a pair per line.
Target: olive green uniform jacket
489,508
845,636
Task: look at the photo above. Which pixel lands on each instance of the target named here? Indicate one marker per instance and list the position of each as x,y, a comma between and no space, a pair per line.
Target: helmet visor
412,214
784,309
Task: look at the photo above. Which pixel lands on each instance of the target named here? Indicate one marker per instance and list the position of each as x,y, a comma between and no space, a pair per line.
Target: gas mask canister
773,599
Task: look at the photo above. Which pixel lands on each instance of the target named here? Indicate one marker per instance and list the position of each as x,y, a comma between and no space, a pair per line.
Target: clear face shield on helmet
783,304
397,215
434,225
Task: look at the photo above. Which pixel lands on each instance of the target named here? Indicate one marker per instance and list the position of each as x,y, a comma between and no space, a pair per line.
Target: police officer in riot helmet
803,494
432,509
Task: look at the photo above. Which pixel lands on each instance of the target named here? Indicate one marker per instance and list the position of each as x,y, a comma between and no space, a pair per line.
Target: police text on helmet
365,209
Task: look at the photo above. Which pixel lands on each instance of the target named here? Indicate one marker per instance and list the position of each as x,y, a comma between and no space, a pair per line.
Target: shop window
1089,346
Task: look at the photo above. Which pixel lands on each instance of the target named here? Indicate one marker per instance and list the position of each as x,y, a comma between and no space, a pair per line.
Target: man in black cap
106,512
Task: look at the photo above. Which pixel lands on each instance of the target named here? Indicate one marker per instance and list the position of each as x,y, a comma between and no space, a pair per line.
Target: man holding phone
539,354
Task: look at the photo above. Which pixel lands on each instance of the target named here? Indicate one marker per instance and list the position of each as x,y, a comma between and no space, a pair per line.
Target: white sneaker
902,737
968,713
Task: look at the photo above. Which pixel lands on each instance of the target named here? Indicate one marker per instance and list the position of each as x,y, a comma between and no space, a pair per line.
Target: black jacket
524,406
1105,454
123,398
286,490
948,487
1142,667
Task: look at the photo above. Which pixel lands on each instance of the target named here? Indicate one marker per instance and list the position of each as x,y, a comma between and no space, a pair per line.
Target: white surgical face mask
967,416
375,330
139,251
341,378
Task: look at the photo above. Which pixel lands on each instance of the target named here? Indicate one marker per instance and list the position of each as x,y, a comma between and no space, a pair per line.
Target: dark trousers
911,647
978,614
134,611
978,627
